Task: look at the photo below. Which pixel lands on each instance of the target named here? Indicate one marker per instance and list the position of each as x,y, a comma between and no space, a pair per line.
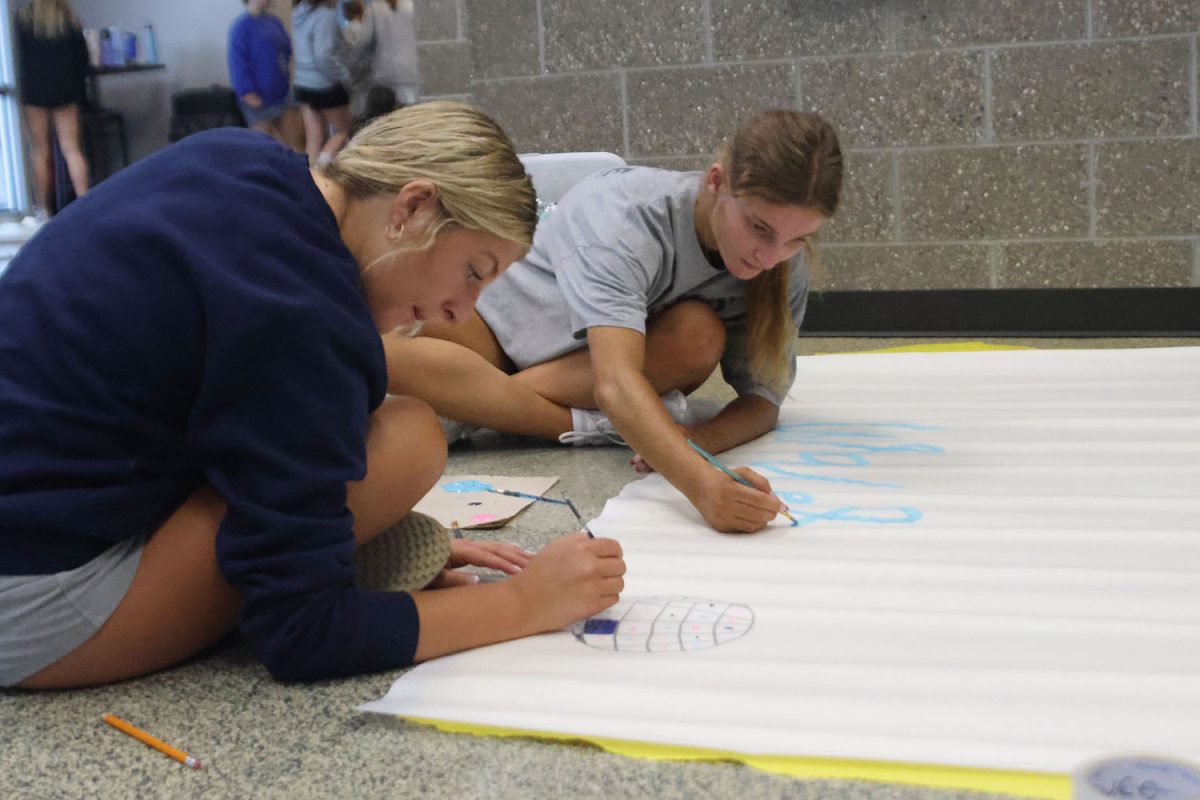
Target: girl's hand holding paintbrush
572,578
732,500
744,504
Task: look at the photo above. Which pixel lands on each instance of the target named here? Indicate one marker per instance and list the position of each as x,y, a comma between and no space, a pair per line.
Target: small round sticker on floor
664,624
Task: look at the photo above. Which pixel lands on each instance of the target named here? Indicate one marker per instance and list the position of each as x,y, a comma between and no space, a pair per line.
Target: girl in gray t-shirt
639,283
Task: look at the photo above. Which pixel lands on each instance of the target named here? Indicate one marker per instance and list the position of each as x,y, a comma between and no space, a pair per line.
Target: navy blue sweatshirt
197,319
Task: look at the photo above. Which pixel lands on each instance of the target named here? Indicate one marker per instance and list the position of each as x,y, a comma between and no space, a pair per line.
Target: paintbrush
566,501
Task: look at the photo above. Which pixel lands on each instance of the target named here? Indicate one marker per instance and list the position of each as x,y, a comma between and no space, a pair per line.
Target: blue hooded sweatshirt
259,51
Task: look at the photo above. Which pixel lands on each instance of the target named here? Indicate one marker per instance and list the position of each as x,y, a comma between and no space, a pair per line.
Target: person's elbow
292,662
611,390
290,649
769,420
765,416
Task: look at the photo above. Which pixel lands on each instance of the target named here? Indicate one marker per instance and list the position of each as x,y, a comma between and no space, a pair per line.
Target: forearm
639,416
570,579
469,616
744,419
626,397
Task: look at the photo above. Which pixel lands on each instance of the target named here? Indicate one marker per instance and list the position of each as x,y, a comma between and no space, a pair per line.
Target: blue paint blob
608,626
787,469
467,486
899,515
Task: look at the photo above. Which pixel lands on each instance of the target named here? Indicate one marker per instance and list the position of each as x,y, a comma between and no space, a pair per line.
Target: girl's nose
461,308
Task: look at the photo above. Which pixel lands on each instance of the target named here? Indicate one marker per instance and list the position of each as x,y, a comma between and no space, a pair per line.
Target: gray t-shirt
618,248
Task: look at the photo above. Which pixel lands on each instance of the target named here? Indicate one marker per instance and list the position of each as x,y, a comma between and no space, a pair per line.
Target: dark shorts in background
333,97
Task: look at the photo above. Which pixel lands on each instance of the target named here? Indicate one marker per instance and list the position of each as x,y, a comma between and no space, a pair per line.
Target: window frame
14,182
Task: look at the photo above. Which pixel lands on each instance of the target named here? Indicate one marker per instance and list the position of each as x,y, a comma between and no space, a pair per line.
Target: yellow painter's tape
1028,784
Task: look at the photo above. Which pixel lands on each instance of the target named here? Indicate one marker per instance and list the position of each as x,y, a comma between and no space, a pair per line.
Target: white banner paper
997,565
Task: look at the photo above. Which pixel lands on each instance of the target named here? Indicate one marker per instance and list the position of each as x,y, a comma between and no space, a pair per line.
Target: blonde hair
787,158
481,183
49,19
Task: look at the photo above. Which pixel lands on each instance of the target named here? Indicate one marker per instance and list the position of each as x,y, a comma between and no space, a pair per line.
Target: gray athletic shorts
253,116
44,617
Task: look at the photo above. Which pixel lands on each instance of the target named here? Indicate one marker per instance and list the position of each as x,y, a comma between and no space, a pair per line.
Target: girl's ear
414,198
714,179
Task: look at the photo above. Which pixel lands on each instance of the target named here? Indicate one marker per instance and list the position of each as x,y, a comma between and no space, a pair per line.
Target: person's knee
413,425
691,337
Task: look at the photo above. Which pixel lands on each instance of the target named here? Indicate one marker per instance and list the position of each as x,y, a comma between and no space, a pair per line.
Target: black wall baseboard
1005,312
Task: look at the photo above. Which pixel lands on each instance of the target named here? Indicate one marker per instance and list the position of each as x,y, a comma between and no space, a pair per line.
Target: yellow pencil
147,739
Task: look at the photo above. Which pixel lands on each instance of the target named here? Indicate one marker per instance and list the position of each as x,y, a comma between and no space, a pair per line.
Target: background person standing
389,31
259,55
320,79
52,67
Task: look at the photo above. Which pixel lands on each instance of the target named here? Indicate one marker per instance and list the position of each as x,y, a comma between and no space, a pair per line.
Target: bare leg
475,335
41,153
406,454
179,604
460,384
339,119
66,128
314,133
287,129
683,346
469,382
291,129
270,128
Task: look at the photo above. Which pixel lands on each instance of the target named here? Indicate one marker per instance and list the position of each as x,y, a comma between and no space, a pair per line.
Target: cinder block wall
990,143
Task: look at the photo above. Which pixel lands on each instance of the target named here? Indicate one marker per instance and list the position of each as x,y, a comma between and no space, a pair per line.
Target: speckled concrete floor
258,738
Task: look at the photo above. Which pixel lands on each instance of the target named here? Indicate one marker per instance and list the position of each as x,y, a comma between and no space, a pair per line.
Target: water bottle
131,48
116,46
149,44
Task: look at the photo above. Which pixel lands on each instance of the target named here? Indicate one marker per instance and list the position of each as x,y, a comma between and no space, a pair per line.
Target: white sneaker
36,220
591,426
677,407
455,430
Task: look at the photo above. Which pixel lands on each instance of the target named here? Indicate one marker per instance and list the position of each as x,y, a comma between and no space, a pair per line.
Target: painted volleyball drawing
665,624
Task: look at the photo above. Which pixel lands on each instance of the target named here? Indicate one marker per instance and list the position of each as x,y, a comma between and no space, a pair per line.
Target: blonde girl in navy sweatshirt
195,432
